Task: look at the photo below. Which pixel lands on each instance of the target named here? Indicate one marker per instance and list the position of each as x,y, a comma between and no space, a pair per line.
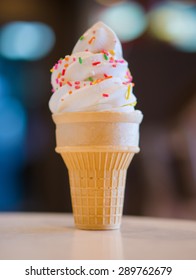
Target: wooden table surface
53,236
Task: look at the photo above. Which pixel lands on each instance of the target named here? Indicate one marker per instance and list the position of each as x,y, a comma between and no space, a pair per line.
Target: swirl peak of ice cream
94,77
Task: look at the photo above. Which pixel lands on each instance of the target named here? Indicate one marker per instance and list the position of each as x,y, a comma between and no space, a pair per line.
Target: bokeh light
127,19
26,40
12,124
109,2
13,128
4,86
175,23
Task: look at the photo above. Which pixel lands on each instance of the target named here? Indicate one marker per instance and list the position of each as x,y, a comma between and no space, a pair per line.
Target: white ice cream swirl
95,77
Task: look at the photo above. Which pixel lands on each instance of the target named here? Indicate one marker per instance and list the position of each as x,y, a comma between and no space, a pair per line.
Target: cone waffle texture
97,181
97,149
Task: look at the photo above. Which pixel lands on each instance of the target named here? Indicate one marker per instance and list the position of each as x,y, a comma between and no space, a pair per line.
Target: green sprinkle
81,38
105,56
90,79
80,60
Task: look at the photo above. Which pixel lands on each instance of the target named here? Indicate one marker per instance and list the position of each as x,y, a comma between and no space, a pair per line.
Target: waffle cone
97,149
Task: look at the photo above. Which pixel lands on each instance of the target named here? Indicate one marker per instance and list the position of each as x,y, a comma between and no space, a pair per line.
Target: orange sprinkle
70,92
67,58
59,74
66,65
108,77
91,40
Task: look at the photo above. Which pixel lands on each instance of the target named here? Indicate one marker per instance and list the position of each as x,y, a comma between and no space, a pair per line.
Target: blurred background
159,42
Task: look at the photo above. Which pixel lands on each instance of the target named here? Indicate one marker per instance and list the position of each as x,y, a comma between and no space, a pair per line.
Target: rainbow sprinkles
92,69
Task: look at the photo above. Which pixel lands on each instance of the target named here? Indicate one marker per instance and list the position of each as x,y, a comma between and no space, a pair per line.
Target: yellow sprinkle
128,92
130,104
94,82
51,70
97,81
112,52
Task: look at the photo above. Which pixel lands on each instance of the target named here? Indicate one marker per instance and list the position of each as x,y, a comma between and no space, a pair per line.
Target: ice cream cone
97,149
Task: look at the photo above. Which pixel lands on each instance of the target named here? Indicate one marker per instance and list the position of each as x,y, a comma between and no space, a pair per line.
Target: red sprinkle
77,82
60,84
96,63
104,51
105,95
126,83
74,59
63,72
69,83
77,87
113,65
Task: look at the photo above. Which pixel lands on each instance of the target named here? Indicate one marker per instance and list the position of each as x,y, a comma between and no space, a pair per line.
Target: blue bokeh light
127,19
4,87
26,40
12,124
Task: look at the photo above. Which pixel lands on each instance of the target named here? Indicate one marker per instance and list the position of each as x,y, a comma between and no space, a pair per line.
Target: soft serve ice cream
97,127
94,77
